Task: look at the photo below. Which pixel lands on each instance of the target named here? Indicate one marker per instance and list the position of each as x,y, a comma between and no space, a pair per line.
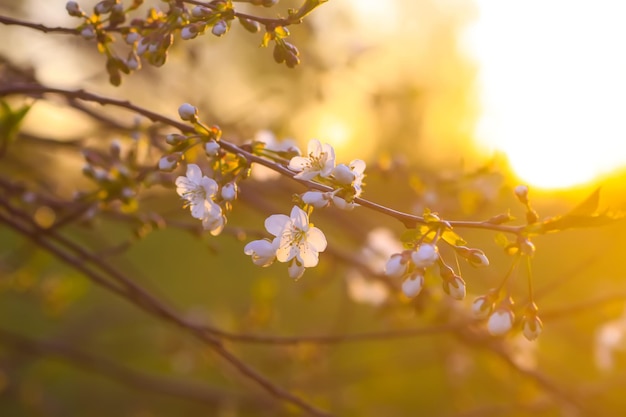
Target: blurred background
451,104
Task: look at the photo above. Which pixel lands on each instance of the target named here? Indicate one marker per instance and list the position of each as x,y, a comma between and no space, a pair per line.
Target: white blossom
263,251
320,160
198,191
298,239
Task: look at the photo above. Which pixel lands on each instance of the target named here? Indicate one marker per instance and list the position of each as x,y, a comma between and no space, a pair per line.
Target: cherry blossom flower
198,191
320,160
297,238
263,251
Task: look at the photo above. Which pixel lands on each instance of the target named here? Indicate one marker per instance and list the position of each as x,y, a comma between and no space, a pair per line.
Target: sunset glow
552,87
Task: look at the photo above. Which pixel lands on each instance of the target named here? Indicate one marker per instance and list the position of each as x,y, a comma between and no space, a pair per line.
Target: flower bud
521,191
500,321
455,287
175,139
475,257
413,284
200,11
219,28
188,32
103,7
426,255
132,37
169,162
317,199
187,112
73,9
342,204
133,62
229,191
531,326
482,307
88,33
343,174
396,265
115,148
527,247
211,148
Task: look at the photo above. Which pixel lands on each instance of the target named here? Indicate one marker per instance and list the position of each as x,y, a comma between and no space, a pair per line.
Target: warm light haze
552,87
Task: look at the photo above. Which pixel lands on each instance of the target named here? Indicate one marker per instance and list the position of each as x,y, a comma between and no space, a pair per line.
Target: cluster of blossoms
150,38
298,243
319,164
199,193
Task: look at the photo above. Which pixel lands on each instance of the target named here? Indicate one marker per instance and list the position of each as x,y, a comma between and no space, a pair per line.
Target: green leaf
10,122
452,238
502,240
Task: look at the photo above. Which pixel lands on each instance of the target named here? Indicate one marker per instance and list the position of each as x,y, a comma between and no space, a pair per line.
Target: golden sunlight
552,87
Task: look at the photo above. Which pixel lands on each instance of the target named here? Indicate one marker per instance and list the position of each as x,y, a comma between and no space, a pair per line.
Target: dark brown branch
110,369
409,220
142,299
42,28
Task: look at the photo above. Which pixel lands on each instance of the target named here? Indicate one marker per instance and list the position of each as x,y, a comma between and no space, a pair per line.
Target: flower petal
299,218
316,238
194,173
276,223
298,163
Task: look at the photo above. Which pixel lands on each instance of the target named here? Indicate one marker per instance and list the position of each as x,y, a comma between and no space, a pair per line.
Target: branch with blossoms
294,240
211,174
